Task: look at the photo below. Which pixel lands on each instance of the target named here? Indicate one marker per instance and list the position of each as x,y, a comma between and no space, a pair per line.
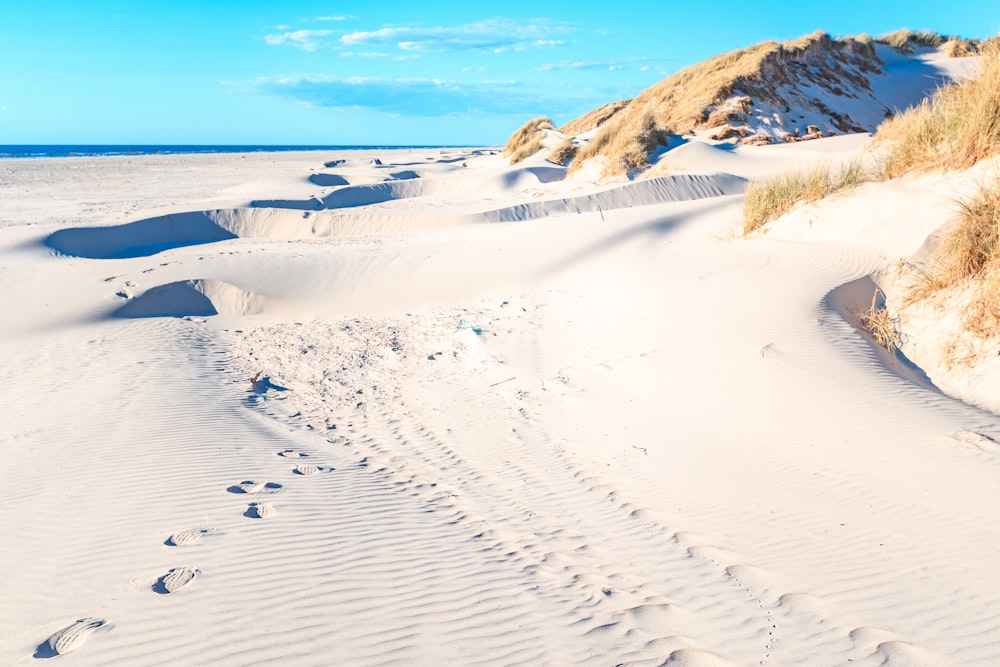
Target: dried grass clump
525,151
768,200
882,326
627,147
907,40
973,247
593,119
526,141
955,129
563,153
971,253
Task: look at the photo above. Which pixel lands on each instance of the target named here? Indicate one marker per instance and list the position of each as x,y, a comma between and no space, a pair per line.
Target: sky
306,72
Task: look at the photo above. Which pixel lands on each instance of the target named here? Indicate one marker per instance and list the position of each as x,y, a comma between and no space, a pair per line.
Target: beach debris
466,324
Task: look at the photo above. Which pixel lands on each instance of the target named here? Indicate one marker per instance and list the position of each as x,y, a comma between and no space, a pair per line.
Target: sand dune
387,430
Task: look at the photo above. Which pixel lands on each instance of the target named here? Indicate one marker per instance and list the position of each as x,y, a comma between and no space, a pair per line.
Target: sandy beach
423,407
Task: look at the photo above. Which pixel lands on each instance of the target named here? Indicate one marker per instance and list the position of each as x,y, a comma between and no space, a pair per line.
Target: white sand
474,415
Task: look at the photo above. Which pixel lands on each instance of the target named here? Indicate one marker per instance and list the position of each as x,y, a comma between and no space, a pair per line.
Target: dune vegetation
769,199
881,324
593,119
907,40
625,146
969,257
720,94
563,153
955,129
527,139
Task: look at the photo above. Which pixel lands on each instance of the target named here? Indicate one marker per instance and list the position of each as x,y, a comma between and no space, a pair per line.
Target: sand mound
644,193
139,239
193,298
408,185
328,180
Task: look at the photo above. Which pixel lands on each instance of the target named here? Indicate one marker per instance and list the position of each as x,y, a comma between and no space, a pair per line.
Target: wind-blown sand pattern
457,412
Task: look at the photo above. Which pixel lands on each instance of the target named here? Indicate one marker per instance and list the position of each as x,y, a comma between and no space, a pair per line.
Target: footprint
260,511
186,537
173,581
294,454
253,486
307,469
69,638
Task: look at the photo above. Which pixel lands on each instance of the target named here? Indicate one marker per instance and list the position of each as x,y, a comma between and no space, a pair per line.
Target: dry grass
956,128
907,40
882,326
702,94
682,99
524,151
969,255
563,153
526,141
626,148
768,200
973,247
593,119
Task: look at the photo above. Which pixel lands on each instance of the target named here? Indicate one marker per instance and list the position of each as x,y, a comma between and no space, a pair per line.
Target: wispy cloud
345,17
493,35
307,40
377,54
364,54
581,65
612,65
426,97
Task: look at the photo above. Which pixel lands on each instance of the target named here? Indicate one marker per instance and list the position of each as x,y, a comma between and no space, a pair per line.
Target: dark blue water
61,150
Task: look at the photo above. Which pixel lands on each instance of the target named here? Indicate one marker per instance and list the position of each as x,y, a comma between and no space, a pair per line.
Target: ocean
86,150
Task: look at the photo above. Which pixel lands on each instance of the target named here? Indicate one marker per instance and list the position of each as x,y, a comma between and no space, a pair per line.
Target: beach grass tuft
907,40
564,153
527,140
769,199
627,146
882,326
955,129
969,255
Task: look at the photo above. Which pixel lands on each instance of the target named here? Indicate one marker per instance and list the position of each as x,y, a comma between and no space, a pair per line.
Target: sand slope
393,431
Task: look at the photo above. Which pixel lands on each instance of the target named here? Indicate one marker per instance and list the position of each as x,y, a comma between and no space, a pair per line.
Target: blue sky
388,73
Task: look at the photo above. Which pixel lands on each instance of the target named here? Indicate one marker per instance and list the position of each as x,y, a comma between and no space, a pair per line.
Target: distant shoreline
100,150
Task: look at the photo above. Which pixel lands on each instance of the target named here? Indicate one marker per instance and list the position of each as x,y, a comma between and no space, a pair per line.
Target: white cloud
363,54
307,40
610,65
345,17
422,97
493,35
